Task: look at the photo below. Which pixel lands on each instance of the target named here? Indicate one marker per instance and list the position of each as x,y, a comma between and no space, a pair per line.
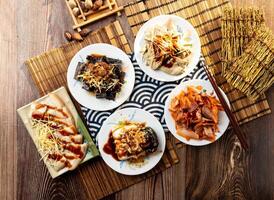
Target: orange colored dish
196,114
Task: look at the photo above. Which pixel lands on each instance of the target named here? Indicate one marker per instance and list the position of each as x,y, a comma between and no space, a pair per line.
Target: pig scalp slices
195,114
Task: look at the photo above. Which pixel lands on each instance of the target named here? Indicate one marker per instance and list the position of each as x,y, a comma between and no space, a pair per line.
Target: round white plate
186,27
223,119
88,99
138,115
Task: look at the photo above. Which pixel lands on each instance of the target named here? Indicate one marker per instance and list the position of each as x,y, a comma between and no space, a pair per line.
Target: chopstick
233,121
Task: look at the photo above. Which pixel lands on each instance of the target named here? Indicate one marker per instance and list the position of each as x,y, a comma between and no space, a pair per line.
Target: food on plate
55,134
101,75
196,113
167,48
131,141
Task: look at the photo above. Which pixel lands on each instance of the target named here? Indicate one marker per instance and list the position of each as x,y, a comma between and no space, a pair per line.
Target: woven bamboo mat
48,71
234,36
205,16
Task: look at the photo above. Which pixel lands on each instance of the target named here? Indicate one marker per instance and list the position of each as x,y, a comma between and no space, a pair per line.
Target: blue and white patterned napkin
148,94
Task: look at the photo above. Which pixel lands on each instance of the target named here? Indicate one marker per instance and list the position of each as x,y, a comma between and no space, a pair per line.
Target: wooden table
221,170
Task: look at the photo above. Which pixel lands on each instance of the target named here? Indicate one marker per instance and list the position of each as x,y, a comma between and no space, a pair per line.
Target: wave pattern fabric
148,94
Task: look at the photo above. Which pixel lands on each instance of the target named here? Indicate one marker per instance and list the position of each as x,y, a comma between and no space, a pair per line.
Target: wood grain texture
219,171
8,128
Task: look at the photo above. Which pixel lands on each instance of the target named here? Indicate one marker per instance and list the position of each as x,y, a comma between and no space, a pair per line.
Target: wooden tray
24,113
109,8
48,71
205,16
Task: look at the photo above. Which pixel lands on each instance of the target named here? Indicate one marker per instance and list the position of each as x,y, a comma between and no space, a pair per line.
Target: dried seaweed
252,72
238,26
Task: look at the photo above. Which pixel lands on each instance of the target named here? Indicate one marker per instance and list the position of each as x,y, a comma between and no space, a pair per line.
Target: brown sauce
74,149
55,156
55,119
67,164
37,116
168,63
109,147
64,132
50,137
58,110
70,157
76,142
58,157
46,116
54,126
38,106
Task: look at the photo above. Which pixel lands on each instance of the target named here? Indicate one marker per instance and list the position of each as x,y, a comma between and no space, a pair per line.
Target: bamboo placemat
205,16
253,71
49,70
238,26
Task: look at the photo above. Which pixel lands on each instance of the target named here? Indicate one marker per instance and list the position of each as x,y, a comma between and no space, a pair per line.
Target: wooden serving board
25,111
205,16
49,70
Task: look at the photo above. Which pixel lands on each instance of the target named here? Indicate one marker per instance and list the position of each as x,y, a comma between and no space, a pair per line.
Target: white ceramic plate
88,99
186,27
223,119
138,115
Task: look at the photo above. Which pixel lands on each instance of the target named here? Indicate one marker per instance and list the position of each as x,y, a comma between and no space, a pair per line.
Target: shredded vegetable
45,137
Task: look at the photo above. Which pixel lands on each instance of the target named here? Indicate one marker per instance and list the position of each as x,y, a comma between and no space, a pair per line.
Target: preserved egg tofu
131,140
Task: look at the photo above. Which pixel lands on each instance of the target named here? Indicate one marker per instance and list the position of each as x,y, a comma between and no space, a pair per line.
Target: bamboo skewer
233,121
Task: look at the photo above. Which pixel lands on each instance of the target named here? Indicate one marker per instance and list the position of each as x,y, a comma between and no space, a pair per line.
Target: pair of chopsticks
233,121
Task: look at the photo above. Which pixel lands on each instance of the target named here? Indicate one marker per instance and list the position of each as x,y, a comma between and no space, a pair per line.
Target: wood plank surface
218,171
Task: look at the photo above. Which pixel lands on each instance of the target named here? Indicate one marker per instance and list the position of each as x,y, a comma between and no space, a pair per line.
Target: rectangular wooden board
24,113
